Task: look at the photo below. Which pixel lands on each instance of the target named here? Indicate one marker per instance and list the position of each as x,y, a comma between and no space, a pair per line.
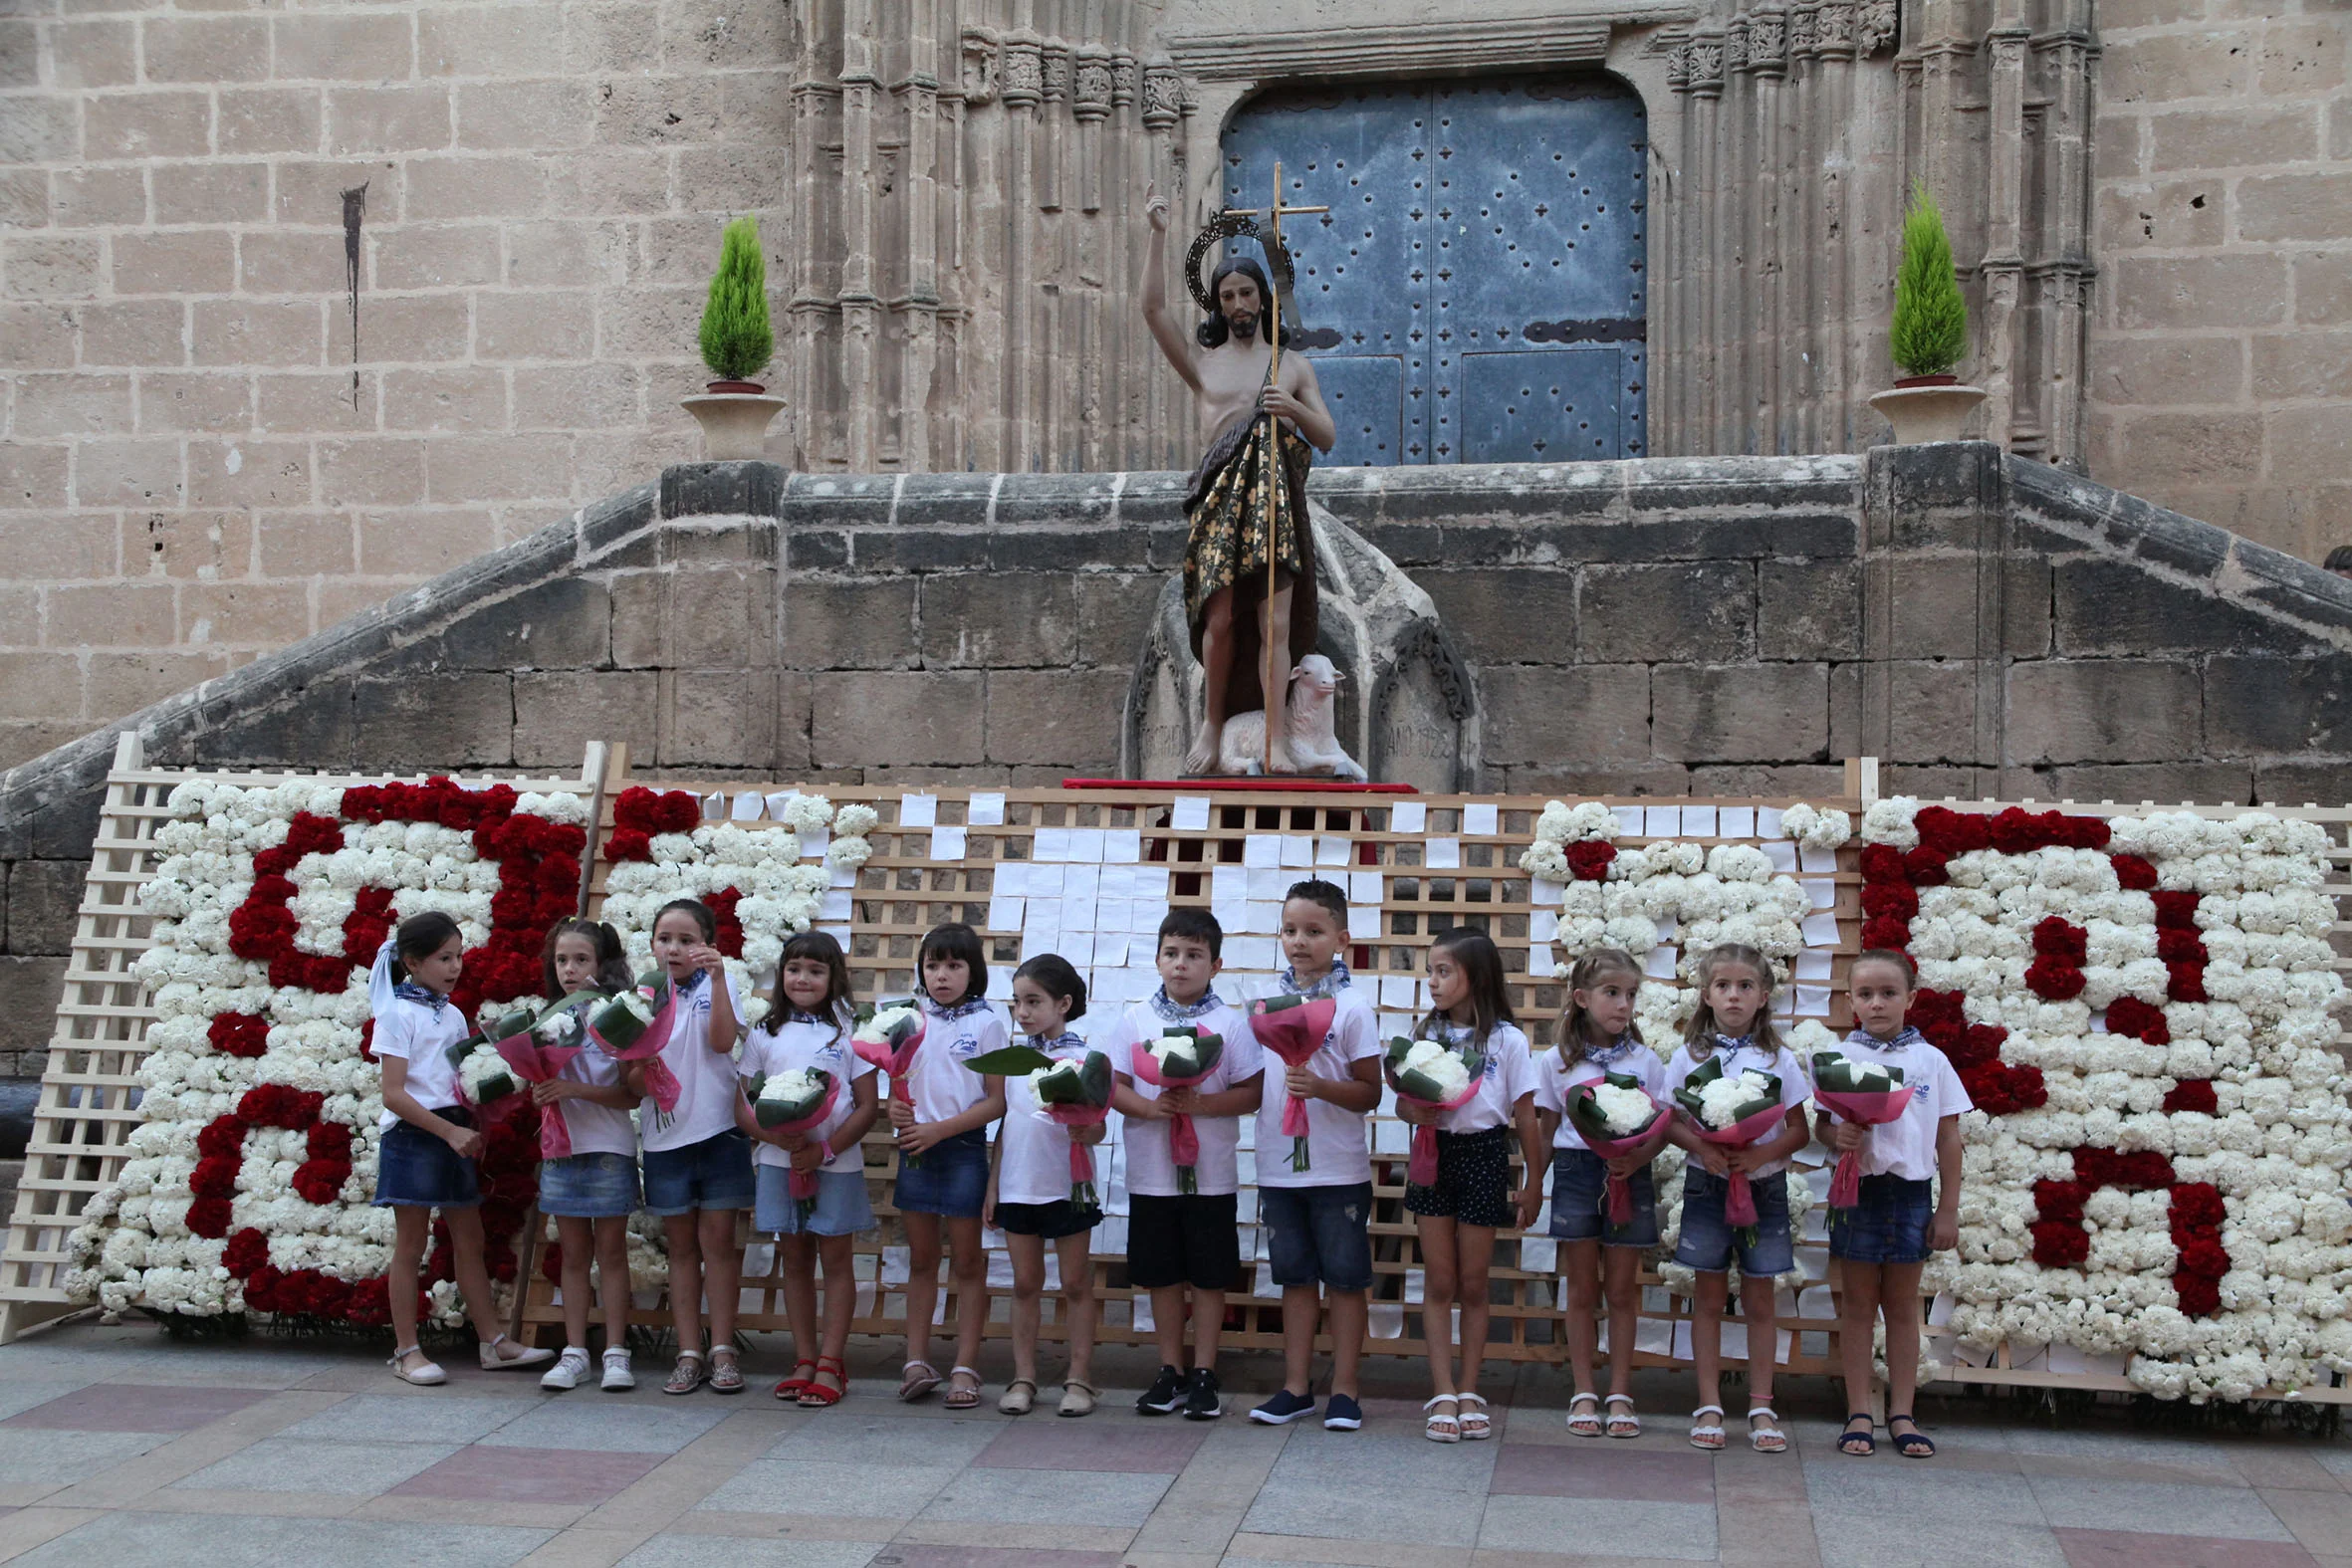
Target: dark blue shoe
1342,1414
1284,1408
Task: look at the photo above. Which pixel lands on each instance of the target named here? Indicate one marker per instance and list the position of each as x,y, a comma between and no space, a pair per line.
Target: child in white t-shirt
1909,1207
808,1030
1596,1039
1318,1220
1180,1241
1734,1020
1029,1193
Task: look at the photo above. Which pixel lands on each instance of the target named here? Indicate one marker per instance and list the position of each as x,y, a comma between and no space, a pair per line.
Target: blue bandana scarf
1172,1011
1330,986
962,1009
411,990
1605,1056
1905,1038
691,984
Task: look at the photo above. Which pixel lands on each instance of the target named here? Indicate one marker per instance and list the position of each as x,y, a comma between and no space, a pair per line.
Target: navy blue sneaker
1166,1394
1284,1408
1342,1414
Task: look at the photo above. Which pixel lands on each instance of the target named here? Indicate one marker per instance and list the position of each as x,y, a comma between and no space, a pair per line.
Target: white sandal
1442,1428
1476,1428
1628,1421
428,1376
1769,1438
1708,1436
1586,1423
524,1356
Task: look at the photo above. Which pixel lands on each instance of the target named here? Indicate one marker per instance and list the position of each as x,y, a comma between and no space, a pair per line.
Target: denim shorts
1319,1234
951,1178
1050,1221
1888,1226
1580,1206
1708,1242
588,1186
713,1173
842,1208
415,1169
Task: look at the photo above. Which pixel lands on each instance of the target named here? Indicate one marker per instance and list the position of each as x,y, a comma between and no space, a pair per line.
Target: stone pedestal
1928,413
1407,706
734,424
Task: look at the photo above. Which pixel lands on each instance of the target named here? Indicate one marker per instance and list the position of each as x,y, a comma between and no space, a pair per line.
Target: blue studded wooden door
1475,294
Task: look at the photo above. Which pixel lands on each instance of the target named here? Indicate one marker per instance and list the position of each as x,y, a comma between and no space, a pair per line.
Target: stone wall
1983,624
2222,344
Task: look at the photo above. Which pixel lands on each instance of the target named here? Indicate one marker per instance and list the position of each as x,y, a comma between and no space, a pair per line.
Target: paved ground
118,1447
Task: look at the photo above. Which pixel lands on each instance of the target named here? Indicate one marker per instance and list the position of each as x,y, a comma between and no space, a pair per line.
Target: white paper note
748,807
986,810
1698,821
1261,849
1363,887
1815,858
1052,844
918,810
1122,846
1661,821
1666,926
1409,816
1081,884
1232,914
1812,1002
1332,850
1540,963
1228,882
1481,819
1085,845
1629,820
834,905
1442,855
1045,881
1544,890
1297,849
1661,963
1189,814
842,877
1270,883
1078,946
1004,914
1782,853
1823,892
1401,992
1820,931
1813,967
714,806
1543,924
1252,953
1262,915
1736,821
779,801
948,843
1364,922
1767,821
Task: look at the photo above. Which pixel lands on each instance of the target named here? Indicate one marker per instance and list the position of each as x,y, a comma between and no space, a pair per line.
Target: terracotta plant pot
755,389
734,424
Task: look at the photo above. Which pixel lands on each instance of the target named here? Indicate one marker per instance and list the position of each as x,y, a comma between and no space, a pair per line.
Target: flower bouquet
1614,1115
484,1076
1294,1028
1178,1060
1733,1111
794,1102
1439,1076
634,1025
537,1049
1867,1094
888,1036
1072,1090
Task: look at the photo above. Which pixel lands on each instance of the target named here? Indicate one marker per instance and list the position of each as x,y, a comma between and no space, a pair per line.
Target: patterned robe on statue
1225,508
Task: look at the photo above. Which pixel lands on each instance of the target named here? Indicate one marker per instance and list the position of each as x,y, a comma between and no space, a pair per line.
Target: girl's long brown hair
601,939
1575,1024
1702,1028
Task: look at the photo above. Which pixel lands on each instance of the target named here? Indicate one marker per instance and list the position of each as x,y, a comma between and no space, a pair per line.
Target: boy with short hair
1319,1217
1177,1238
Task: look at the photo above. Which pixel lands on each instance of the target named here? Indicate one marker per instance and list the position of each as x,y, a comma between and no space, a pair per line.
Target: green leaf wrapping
1836,1071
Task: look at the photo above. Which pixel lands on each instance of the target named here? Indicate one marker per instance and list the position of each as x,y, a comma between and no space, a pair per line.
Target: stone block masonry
1983,624
187,480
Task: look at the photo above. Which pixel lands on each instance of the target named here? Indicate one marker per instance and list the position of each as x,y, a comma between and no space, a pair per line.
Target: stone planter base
1928,413
734,424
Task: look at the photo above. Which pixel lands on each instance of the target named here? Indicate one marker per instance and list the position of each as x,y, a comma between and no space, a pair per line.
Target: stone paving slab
117,1447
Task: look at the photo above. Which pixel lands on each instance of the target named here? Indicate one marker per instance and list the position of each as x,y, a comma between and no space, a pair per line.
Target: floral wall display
249,1178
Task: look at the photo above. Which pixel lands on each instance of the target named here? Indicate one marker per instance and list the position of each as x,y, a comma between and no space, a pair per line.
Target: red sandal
789,1388
814,1395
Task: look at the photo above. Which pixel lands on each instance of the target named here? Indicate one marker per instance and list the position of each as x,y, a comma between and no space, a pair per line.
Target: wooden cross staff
1271,236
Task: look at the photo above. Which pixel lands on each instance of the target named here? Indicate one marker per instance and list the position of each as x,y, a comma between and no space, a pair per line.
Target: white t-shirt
1032,1150
596,1129
1554,1082
706,1078
1906,1146
1338,1150
1796,1087
803,1042
1151,1169
1508,1073
421,1036
942,1086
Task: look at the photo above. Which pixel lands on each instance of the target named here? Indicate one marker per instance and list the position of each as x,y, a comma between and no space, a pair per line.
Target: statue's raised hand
1155,209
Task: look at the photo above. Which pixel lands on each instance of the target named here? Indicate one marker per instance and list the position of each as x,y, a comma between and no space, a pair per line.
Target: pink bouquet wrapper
1081,1156
1421,1165
1873,1109
1617,1191
896,1062
803,1183
536,1061
660,1082
1184,1140
1738,1209
1295,1034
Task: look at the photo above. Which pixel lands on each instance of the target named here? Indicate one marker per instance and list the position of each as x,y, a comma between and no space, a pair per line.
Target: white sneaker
619,1379
568,1369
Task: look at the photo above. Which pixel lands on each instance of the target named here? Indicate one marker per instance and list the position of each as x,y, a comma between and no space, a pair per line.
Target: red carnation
2054,977
1925,867
551,1262
1895,900
2199,1297
1949,832
223,1138
1883,863
1589,860
628,843
2191,1094
330,1141
2062,939
2185,982
2196,1206
238,1034
247,1251
214,1178
209,1217
2176,910
2205,1258
2131,1017
2060,1243
2176,945
1885,931
320,1180
680,811
1978,1044
2135,874
2058,1199
2017,831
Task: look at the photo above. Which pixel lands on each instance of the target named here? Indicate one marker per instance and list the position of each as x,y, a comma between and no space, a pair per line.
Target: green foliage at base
736,341
1931,327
